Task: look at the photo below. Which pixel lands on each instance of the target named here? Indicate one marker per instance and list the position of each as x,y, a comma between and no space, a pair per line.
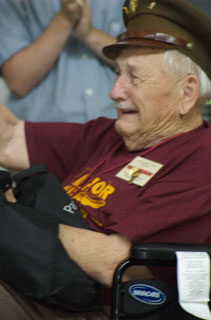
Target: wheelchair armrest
161,254
164,251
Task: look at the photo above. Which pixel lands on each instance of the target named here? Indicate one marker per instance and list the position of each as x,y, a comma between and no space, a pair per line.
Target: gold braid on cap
132,7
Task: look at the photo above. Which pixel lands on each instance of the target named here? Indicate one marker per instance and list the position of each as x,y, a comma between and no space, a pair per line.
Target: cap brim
113,51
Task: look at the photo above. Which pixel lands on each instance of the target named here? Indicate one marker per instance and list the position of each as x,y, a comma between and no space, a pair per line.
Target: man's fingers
80,2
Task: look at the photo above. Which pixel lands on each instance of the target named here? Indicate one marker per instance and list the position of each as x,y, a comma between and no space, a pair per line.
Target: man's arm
98,254
13,149
25,69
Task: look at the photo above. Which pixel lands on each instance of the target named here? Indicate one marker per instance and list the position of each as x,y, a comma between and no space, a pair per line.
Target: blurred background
203,5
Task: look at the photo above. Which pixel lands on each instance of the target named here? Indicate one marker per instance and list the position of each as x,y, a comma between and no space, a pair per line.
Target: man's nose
119,91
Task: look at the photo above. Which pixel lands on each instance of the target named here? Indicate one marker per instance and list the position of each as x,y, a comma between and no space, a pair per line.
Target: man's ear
191,92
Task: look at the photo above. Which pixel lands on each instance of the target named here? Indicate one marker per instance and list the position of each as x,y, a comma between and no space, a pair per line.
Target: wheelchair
126,302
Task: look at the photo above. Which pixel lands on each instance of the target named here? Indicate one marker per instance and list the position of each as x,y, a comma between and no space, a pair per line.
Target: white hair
177,62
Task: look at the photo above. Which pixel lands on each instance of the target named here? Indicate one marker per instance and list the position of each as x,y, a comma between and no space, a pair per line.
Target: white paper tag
146,170
193,280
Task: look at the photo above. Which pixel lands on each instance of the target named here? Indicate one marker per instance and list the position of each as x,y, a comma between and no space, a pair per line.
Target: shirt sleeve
14,33
64,147
55,144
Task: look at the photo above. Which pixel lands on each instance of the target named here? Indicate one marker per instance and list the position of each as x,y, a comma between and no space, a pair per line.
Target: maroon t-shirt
174,206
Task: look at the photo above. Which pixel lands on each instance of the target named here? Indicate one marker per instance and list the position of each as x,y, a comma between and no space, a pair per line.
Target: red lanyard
114,149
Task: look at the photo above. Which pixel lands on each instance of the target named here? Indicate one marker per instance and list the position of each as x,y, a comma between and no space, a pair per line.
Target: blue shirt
77,87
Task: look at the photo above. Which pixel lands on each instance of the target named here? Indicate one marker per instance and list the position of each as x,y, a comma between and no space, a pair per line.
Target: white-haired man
144,177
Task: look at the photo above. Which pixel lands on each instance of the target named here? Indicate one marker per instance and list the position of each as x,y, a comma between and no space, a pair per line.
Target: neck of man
156,135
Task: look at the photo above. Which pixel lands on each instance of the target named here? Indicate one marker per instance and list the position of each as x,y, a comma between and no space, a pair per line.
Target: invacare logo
147,294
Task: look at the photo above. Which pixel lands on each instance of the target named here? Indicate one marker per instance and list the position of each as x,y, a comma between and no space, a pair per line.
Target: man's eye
135,79
117,72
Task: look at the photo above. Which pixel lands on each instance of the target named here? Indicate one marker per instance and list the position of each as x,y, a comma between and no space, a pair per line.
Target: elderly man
144,177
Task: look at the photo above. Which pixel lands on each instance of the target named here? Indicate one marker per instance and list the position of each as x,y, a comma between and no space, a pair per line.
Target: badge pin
126,10
133,5
139,171
152,5
133,173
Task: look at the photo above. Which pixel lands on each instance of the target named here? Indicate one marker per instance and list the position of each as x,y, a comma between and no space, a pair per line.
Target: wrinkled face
145,97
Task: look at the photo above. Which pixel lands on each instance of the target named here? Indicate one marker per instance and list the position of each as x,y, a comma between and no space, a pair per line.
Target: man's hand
13,148
9,195
71,10
84,25
93,38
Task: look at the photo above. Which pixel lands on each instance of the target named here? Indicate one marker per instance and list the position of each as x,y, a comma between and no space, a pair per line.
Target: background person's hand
84,25
71,10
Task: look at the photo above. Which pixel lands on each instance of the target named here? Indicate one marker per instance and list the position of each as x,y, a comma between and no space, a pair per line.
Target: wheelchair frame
157,254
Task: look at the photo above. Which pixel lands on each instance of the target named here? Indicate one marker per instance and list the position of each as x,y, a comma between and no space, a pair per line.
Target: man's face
145,97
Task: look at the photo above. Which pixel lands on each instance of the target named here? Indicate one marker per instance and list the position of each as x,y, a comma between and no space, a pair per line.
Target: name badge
139,171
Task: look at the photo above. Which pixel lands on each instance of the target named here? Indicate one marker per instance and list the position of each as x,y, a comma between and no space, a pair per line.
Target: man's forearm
96,253
24,70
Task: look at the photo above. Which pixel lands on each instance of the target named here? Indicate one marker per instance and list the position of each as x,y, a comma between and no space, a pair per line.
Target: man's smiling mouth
129,111
126,109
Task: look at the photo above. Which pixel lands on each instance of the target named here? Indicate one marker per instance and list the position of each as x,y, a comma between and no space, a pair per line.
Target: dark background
203,5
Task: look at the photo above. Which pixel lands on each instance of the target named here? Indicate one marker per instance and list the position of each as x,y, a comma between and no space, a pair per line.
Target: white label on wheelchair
193,277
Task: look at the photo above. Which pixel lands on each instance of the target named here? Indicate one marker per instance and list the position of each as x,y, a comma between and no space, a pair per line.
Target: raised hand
71,10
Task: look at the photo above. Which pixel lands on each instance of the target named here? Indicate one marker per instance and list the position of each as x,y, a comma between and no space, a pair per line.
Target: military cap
167,24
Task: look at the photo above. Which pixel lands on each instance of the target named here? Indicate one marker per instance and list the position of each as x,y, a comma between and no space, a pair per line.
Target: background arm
25,69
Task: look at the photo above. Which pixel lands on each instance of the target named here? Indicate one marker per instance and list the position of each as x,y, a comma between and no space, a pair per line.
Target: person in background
45,48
